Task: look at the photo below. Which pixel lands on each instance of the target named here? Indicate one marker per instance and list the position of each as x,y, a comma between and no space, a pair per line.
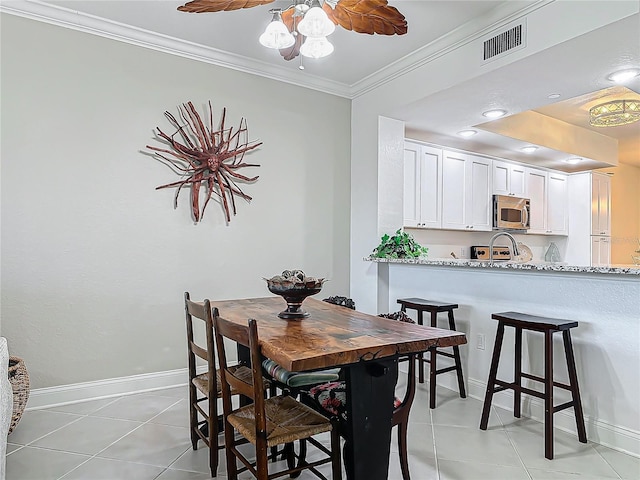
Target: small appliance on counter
511,213
479,252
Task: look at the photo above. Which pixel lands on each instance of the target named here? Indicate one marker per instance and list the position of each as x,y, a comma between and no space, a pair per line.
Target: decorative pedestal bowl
294,298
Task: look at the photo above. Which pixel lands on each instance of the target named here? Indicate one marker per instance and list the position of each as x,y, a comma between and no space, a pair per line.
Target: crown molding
469,32
464,34
82,22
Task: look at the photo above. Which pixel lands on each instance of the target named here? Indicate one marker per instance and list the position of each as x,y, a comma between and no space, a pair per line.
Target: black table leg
370,394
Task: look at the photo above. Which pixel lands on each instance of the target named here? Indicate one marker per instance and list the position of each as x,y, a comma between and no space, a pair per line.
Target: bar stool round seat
433,308
548,326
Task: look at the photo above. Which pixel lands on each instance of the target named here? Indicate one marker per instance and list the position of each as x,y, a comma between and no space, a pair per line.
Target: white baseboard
612,436
80,392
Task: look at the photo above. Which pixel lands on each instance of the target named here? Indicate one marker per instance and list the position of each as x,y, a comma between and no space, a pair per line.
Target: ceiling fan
302,27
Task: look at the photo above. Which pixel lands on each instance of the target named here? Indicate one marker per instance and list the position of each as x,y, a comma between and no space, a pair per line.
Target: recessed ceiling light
554,95
467,133
529,149
622,76
573,160
497,113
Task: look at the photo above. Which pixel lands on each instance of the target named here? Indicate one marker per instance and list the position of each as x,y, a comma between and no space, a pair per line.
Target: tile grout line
95,455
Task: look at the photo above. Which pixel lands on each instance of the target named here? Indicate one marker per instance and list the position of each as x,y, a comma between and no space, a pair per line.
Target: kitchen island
604,300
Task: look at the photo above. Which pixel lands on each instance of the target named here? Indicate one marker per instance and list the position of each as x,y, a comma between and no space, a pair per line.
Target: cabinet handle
471,226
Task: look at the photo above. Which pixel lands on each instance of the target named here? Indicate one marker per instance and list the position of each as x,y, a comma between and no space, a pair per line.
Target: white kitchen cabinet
589,212
536,191
422,186
548,193
557,198
600,251
466,192
508,178
600,204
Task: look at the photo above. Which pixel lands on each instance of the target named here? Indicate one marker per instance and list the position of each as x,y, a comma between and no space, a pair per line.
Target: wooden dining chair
204,387
267,422
330,398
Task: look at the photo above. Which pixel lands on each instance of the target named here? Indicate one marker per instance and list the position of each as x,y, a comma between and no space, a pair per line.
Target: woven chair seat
202,381
287,421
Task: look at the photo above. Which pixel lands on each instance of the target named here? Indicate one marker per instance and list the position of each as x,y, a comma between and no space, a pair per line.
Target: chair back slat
199,351
248,337
201,312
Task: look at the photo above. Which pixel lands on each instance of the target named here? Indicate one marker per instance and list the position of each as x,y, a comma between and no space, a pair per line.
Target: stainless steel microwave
510,213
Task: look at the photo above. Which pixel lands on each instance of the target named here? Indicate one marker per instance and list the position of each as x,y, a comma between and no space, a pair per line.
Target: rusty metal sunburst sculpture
201,154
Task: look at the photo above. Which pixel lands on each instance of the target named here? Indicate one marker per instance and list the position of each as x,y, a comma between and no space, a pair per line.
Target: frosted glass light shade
276,35
316,24
316,47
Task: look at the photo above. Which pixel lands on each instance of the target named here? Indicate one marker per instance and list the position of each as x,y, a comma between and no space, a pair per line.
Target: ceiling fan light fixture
622,76
615,113
314,47
316,24
276,35
495,113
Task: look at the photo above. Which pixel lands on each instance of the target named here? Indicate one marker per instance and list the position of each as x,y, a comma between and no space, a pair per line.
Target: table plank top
332,335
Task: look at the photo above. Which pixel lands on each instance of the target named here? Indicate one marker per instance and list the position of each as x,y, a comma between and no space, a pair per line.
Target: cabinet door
536,183
478,183
454,193
557,204
466,192
430,187
517,180
411,190
508,178
600,251
600,204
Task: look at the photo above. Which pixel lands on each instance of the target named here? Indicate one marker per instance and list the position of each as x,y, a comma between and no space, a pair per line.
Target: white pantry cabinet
422,186
590,214
466,192
600,204
508,178
600,251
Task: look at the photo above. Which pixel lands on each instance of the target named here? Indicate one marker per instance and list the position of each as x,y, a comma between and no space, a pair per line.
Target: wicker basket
19,379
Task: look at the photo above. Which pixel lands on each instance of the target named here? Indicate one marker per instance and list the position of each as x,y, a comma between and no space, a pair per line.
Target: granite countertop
543,266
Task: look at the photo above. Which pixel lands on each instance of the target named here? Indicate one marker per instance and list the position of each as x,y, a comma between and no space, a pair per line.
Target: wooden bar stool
548,326
421,305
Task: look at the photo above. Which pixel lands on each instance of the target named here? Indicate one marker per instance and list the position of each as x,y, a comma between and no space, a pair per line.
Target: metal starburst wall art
202,155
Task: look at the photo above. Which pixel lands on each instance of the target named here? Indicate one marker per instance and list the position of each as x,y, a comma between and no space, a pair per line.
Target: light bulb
276,35
316,24
316,47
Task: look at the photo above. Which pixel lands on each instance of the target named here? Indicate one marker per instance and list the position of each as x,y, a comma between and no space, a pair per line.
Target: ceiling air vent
509,40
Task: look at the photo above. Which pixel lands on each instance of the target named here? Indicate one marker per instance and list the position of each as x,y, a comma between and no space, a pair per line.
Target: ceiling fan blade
204,6
367,16
289,19
294,50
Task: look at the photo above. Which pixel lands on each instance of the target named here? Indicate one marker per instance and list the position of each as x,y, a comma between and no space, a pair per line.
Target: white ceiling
573,69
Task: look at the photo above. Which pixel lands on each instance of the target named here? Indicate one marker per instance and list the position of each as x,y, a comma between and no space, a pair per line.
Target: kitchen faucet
514,244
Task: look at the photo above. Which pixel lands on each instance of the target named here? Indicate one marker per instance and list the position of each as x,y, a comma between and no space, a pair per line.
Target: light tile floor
145,436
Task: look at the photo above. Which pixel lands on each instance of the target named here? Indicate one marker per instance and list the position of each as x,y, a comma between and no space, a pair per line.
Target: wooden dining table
367,346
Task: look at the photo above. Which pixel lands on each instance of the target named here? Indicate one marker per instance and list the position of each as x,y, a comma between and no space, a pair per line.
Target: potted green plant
400,245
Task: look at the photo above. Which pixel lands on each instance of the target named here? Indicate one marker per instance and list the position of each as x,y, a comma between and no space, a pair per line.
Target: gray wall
94,259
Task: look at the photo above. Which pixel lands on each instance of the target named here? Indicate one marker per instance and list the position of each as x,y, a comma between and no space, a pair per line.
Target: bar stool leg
456,358
421,356
575,391
432,366
492,377
517,393
548,394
